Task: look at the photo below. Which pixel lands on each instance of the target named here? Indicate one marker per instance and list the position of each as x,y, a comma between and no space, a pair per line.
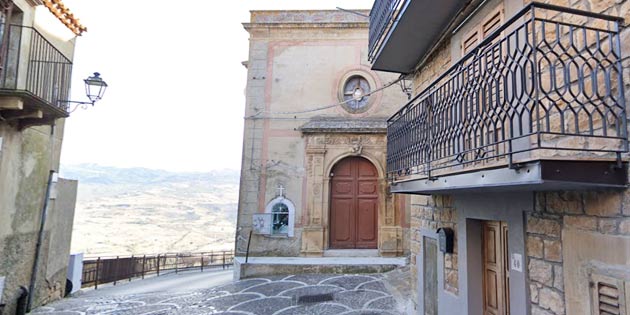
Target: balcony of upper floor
402,32
36,50
537,105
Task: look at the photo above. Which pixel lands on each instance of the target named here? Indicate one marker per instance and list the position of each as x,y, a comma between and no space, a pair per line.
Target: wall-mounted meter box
445,240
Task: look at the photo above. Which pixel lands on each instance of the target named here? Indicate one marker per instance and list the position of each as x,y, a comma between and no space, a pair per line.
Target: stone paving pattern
364,294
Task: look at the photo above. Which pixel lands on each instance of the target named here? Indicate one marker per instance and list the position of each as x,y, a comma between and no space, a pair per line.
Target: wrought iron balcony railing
383,15
33,67
548,84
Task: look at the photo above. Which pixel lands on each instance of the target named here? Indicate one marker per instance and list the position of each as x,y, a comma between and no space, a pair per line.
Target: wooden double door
496,271
354,204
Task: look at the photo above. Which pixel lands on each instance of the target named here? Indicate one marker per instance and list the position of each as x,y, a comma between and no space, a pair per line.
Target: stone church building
314,152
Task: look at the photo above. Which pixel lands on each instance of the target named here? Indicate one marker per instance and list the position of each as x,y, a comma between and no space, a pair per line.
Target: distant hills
98,174
143,211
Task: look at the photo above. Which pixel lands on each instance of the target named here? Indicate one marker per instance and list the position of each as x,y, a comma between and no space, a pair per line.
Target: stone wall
557,217
558,285
25,160
597,214
431,213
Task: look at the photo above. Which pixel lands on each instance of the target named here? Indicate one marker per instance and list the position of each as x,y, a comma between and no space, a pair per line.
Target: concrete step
265,266
351,253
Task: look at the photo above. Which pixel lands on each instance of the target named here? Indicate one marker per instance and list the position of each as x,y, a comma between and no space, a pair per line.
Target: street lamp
94,89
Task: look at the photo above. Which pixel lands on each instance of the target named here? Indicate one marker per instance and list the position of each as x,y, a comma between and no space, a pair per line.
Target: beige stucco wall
26,157
296,63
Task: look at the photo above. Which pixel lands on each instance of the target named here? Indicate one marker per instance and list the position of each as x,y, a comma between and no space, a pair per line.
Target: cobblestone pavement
365,294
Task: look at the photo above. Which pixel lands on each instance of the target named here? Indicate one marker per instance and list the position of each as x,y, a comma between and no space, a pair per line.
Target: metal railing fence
101,270
32,64
383,16
549,78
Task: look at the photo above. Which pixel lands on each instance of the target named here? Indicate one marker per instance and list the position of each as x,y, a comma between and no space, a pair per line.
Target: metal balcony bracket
534,176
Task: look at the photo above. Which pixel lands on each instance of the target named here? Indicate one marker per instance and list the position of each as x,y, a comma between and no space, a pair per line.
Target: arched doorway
354,204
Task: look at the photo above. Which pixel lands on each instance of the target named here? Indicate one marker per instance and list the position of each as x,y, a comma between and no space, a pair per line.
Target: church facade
314,149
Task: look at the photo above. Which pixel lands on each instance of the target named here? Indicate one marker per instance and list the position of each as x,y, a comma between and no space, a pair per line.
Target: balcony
538,105
403,31
34,77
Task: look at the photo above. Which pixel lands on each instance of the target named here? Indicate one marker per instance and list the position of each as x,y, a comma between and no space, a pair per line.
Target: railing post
176,262
144,260
158,265
223,260
201,262
249,240
535,75
133,268
98,260
621,91
116,271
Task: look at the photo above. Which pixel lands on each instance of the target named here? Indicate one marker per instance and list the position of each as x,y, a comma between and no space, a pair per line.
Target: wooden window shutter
608,296
470,41
492,22
489,24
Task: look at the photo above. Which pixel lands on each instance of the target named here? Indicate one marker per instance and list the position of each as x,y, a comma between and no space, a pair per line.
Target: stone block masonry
593,213
431,213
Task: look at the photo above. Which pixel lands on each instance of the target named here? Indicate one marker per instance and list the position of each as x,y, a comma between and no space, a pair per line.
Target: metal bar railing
102,270
549,78
47,70
383,17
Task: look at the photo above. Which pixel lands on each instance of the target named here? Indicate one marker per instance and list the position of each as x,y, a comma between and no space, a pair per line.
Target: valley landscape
125,211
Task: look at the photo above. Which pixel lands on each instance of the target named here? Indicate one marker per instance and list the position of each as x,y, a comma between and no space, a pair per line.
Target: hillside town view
292,157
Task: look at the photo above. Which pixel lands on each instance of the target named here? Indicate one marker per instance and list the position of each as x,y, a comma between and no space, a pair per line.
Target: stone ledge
345,126
265,266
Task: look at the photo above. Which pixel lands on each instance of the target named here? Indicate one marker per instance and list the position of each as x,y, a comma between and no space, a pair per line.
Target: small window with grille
280,219
282,212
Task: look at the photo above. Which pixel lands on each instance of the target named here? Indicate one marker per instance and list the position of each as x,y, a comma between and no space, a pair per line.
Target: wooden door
496,282
354,204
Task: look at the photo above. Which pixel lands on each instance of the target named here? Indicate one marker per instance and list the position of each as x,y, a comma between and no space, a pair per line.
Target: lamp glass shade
95,87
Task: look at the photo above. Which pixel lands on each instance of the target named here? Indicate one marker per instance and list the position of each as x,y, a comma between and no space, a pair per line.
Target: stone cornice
294,25
368,126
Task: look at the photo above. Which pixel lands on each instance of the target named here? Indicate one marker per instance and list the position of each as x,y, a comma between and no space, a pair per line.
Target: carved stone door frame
323,151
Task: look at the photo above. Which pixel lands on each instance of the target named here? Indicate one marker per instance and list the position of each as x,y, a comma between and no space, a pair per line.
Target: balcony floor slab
542,175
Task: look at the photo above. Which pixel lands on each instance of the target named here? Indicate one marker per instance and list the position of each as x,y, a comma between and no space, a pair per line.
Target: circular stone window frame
342,83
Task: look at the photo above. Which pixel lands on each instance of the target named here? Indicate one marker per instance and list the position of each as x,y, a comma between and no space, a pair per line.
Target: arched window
282,216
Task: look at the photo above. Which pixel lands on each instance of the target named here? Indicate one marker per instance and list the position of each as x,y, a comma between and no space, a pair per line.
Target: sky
175,99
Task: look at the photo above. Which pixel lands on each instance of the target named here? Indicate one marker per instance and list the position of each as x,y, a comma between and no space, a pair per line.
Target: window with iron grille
282,212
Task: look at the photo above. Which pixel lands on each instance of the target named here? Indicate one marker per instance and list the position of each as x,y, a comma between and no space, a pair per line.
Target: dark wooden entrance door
496,273
354,204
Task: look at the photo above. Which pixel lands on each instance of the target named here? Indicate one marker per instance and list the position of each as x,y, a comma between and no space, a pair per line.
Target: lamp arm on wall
77,104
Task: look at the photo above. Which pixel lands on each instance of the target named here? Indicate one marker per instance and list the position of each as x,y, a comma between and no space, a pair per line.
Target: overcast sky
176,84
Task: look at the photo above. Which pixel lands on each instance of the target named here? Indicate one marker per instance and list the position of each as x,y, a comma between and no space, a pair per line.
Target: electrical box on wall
445,240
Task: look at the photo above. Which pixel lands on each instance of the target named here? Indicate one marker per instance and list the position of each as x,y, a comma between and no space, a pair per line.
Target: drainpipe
42,224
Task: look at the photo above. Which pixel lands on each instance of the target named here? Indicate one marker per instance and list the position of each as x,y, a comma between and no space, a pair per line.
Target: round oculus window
355,94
